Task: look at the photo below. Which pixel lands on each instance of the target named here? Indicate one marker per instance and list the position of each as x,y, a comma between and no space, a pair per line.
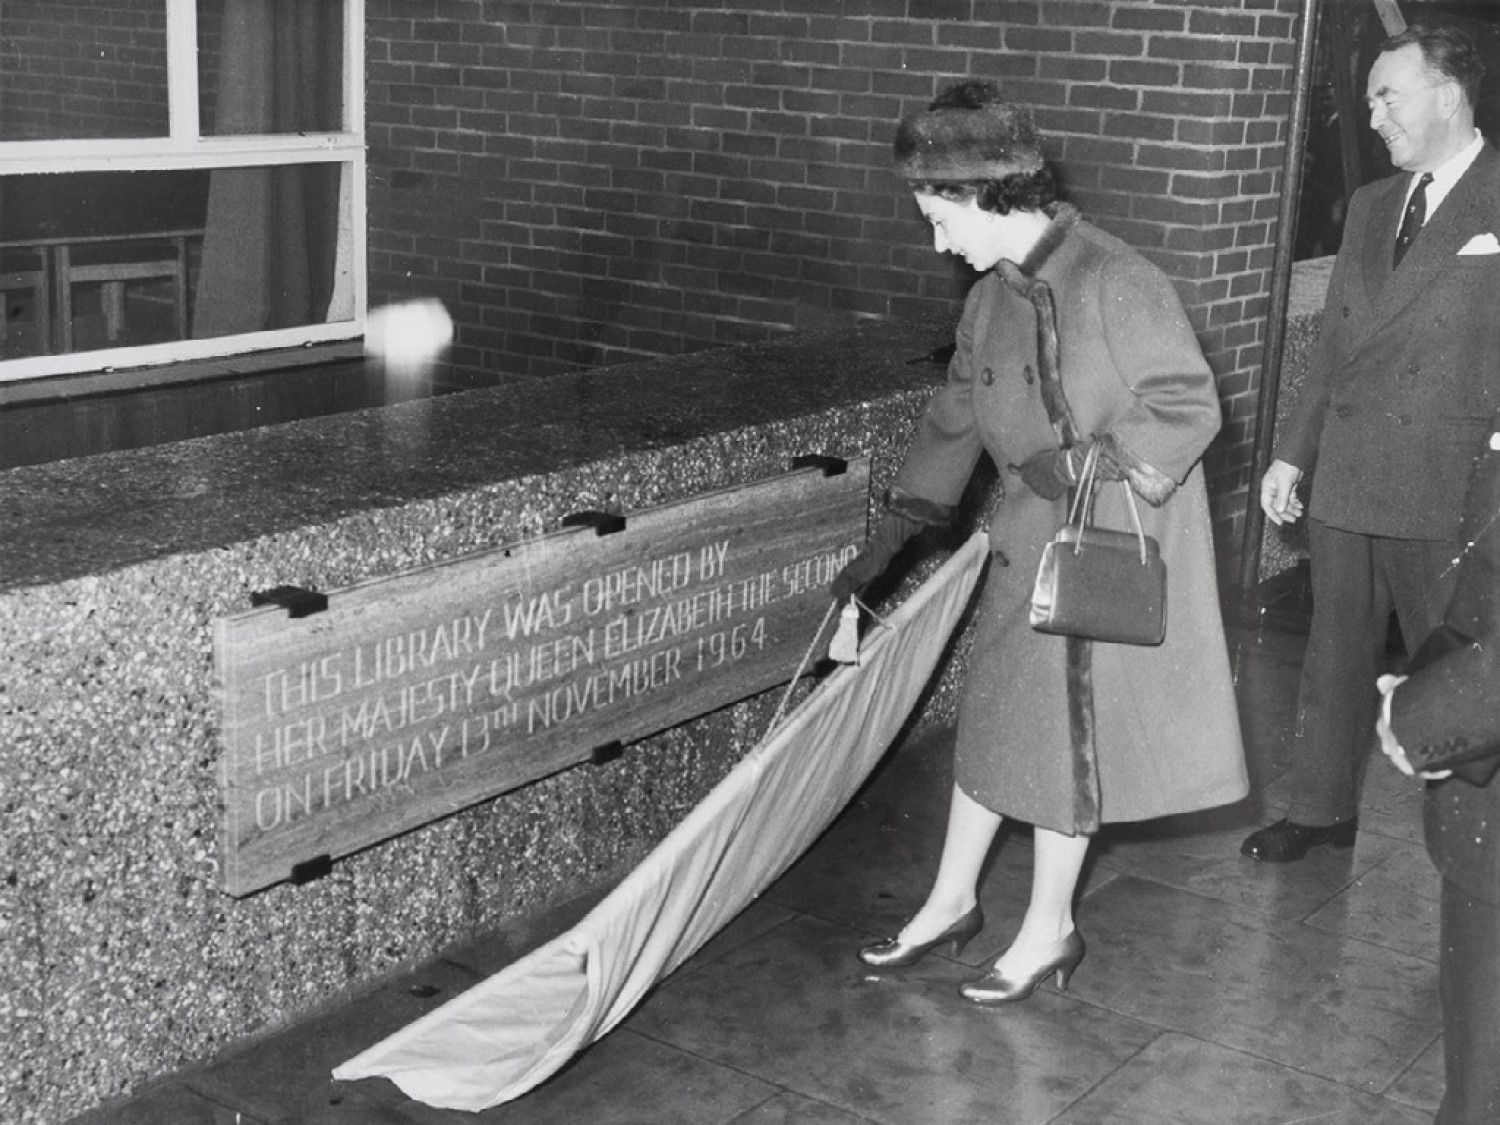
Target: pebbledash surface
129,962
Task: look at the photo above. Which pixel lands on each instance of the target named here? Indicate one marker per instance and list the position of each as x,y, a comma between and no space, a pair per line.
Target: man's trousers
1357,580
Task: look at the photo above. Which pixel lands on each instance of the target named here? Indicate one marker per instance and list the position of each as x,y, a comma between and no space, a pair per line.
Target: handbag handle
1082,512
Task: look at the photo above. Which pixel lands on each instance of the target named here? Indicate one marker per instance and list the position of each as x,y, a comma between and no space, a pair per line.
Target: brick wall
79,69
594,182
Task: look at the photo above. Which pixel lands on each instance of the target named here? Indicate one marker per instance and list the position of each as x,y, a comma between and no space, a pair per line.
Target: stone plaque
410,697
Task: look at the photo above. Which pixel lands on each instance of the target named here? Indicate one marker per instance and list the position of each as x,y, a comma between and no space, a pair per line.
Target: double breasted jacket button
1404,419
1343,411
987,376
1028,374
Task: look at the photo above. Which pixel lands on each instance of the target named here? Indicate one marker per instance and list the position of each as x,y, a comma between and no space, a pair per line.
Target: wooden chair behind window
114,275
36,304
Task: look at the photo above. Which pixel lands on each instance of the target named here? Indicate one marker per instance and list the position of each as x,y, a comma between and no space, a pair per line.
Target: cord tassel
844,648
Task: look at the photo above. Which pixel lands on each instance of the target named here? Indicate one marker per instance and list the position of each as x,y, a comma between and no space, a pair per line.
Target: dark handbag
1098,584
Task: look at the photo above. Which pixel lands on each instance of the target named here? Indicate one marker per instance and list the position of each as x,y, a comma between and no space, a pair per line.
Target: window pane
72,71
270,67
121,259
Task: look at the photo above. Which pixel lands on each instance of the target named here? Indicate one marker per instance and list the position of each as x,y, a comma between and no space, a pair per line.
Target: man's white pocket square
1481,244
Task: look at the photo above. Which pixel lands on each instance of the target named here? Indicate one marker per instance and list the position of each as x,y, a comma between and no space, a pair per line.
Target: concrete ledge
125,961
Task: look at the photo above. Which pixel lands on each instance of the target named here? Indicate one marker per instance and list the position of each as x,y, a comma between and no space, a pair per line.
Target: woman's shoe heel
1064,972
995,988
961,940
893,953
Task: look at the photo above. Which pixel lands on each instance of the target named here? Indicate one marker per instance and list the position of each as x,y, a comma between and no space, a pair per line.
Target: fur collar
1064,218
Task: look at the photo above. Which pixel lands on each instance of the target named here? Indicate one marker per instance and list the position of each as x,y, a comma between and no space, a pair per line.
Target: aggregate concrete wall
125,961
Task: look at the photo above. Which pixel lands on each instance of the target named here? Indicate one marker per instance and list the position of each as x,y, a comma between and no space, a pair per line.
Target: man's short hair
1448,49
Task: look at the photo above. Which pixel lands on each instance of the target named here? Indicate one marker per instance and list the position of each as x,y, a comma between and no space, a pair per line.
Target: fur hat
970,132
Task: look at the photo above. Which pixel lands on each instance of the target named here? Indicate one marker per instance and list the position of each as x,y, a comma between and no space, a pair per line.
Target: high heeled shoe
893,953
996,988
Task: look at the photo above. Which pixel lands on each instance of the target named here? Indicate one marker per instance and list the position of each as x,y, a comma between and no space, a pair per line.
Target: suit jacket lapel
1468,210
1385,218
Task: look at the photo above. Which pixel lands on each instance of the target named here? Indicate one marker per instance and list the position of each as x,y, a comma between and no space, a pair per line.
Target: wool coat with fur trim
1165,728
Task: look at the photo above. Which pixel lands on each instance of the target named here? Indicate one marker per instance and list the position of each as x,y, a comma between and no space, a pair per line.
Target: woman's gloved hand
904,516
891,534
1052,472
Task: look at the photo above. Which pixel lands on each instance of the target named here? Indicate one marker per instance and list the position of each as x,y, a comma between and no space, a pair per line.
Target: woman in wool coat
1061,733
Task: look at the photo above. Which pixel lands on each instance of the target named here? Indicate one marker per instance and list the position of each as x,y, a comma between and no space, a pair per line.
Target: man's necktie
1412,219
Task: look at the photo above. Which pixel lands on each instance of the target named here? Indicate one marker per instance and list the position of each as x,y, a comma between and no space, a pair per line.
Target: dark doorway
1342,152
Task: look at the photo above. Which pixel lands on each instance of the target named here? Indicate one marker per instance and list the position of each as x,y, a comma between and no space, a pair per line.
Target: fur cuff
929,513
1150,484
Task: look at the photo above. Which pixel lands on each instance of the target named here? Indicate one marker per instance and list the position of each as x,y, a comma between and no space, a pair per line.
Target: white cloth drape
512,1031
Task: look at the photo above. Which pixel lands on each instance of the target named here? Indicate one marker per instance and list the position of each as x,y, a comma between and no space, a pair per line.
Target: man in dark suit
1449,709
1397,403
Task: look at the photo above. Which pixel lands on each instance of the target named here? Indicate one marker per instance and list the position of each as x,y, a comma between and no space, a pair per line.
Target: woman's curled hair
1028,191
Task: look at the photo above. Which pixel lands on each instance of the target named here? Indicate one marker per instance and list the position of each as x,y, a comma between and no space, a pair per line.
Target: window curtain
270,235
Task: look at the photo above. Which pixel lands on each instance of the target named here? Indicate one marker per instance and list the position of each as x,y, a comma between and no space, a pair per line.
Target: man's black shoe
1285,840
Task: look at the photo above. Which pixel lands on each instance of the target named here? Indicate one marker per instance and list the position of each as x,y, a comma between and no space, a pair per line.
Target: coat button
1346,312
1405,419
987,376
1028,374
1343,411
1413,368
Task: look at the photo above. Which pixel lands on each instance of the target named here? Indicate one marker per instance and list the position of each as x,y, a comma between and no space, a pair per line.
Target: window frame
184,149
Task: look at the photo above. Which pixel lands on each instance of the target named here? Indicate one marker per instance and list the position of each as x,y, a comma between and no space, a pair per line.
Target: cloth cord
806,657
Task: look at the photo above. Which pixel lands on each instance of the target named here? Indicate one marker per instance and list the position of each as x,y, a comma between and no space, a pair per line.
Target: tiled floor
1215,990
